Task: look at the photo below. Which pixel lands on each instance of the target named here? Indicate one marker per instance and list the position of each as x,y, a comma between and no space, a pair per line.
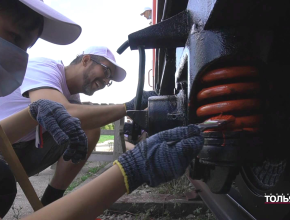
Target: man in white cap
147,13
49,79
22,22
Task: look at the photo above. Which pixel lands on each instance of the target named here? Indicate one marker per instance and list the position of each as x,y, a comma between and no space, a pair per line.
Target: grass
83,178
197,214
175,187
104,138
206,216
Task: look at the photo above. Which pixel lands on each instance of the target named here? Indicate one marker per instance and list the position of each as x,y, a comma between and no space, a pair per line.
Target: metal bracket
140,117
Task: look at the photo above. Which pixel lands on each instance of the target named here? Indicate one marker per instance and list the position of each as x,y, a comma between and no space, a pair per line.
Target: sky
104,23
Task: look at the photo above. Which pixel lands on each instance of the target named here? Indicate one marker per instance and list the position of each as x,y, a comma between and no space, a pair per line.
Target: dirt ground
21,206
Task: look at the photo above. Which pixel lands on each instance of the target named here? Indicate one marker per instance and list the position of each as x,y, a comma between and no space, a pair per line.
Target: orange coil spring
232,91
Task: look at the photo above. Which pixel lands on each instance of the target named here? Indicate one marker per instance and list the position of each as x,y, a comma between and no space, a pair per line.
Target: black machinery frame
193,37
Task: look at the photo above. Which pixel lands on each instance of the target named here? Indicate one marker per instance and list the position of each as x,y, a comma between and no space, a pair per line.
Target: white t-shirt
40,73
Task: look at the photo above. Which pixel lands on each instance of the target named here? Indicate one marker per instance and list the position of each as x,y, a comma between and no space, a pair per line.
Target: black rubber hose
141,78
138,100
123,47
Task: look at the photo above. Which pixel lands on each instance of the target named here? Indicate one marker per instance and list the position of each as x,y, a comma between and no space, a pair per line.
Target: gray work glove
161,157
144,102
65,129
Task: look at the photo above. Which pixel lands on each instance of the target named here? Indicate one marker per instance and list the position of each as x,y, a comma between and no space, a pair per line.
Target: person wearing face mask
156,160
21,24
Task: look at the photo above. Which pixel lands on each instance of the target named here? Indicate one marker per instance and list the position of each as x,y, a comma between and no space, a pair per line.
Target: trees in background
110,126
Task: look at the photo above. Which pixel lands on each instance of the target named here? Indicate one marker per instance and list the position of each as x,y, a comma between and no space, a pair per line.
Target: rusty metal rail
223,206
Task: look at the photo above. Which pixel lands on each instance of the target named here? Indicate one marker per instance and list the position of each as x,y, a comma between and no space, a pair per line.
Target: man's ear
86,59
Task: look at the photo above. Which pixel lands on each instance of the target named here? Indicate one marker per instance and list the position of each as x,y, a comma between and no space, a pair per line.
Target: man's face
17,31
94,77
147,14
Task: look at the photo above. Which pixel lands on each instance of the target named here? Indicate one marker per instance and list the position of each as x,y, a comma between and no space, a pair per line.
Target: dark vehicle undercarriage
225,58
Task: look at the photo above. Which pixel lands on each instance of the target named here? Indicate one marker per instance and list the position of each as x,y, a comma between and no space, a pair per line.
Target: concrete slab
157,204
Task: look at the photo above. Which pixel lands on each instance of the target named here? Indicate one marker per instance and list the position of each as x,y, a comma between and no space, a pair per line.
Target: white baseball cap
120,73
146,9
57,28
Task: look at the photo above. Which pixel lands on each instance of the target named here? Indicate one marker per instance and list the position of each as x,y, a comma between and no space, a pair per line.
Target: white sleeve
41,74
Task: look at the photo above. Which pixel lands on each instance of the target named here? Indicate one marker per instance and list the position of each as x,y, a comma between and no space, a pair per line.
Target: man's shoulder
43,62
43,73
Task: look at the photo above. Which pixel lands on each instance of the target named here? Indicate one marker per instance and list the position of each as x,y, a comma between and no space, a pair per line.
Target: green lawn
83,178
104,138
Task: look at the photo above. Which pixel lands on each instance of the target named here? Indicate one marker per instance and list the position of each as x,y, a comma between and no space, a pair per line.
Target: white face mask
13,63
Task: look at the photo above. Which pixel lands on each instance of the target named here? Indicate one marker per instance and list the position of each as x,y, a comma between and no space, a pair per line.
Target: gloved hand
144,102
65,129
161,157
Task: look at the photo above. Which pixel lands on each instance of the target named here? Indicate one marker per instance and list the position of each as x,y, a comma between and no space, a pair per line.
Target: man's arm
89,201
90,116
18,125
130,172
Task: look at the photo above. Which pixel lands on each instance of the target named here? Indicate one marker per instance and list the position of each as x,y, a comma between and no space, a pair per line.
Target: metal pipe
141,78
123,47
139,94
167,7
154,21
149,77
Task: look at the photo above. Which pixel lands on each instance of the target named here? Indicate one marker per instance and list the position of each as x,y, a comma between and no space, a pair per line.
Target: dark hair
22,14
79,58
